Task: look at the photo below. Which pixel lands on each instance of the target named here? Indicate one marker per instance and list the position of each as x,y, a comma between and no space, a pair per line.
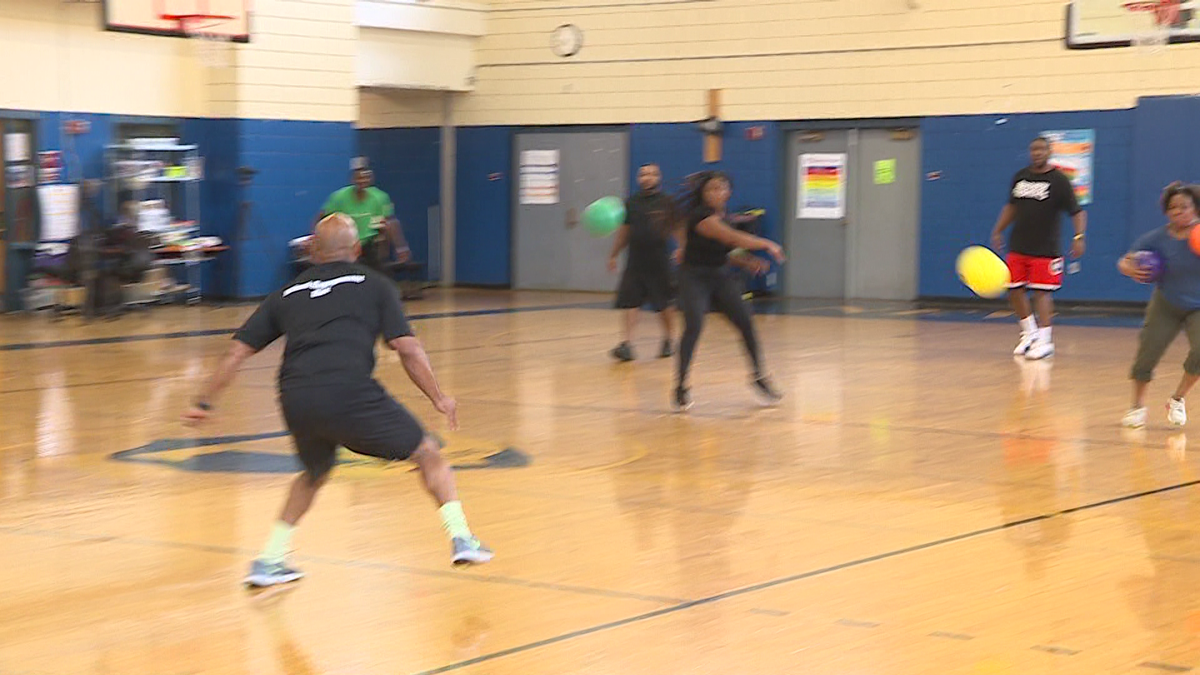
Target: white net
1153,32
214,49
1160,21
1152,41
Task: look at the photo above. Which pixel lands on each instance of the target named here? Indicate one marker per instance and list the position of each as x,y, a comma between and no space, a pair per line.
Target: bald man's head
336,239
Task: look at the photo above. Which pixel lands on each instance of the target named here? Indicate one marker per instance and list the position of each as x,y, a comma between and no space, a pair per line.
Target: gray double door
552,250
859,241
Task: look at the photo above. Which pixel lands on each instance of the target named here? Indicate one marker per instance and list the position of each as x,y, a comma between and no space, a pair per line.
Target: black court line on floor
274,366
762,307
344,562
746,590
1166,667
119,339
1057,651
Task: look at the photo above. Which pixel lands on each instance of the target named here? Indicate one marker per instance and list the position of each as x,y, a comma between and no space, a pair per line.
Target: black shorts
645,284
362,418
375,253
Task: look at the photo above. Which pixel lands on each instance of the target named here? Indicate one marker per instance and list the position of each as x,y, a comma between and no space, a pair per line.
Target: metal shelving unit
162,169
157,169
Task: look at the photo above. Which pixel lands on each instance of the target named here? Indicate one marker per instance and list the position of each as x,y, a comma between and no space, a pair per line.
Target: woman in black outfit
706,278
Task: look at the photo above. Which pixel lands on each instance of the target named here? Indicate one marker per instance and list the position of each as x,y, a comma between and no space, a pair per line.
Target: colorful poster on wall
822,186
1073,153
539,177
49,166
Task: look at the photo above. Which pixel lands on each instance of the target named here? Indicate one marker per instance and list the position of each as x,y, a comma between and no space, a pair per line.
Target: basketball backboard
145,16
1096,24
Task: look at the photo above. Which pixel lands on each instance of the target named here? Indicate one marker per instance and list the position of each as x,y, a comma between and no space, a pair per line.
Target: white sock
1044,334
1029,324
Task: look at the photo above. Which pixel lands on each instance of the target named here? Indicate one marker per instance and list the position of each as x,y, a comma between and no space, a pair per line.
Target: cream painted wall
415,59
387,108
299,65
787,59
54,56
408,51
643,60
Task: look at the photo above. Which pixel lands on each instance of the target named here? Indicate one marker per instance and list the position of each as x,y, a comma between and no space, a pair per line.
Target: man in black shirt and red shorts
332,314
1037,194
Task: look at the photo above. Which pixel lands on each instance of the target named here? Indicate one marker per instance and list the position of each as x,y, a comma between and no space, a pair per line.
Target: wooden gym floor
920,503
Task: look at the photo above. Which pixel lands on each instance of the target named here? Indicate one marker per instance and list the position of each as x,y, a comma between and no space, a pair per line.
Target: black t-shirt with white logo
1038,199
332,315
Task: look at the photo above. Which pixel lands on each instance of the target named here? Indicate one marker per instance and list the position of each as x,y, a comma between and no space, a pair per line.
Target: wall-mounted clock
566,40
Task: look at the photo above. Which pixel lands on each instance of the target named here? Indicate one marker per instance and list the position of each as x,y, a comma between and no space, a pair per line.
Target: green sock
454,520
278,543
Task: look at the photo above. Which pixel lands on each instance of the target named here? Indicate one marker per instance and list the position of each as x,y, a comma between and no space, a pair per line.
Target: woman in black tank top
706,279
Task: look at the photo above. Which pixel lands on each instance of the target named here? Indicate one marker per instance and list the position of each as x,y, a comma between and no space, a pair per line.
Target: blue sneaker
469,551
263,574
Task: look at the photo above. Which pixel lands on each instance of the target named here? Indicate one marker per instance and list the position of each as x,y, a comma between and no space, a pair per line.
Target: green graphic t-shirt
368,214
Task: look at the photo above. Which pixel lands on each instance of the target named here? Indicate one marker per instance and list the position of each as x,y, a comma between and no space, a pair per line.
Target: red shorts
1039,274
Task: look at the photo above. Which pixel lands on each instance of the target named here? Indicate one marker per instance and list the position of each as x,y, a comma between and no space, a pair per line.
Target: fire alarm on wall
77,127
755,133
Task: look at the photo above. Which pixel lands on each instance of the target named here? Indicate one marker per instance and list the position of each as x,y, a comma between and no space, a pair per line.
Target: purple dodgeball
1152,261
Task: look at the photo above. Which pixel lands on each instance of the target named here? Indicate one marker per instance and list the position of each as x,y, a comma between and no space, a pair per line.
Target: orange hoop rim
186,20
1164,12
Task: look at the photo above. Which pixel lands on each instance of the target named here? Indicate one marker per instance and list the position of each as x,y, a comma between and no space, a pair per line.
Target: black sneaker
766,392
682,401
622,352
667,350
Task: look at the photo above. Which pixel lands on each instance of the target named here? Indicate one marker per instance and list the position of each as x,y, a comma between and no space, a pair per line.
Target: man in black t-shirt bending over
1037,194
332,314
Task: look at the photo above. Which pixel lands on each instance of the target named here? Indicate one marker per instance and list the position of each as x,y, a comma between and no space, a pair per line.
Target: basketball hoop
213,46
1163,14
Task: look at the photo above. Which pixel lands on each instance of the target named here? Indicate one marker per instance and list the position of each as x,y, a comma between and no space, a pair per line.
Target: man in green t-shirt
372,212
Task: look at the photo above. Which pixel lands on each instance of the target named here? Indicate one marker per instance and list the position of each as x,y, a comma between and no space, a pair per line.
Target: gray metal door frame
515,202
793,149
788,196
884,250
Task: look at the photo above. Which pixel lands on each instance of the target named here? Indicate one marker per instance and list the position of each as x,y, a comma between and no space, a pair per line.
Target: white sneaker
1176,412
1027,340
1040,350
1135,418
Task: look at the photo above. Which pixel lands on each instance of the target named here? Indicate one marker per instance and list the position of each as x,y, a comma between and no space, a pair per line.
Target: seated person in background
128,216
372,212
91,207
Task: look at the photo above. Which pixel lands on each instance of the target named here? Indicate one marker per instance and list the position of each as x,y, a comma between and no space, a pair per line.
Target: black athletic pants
701,288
